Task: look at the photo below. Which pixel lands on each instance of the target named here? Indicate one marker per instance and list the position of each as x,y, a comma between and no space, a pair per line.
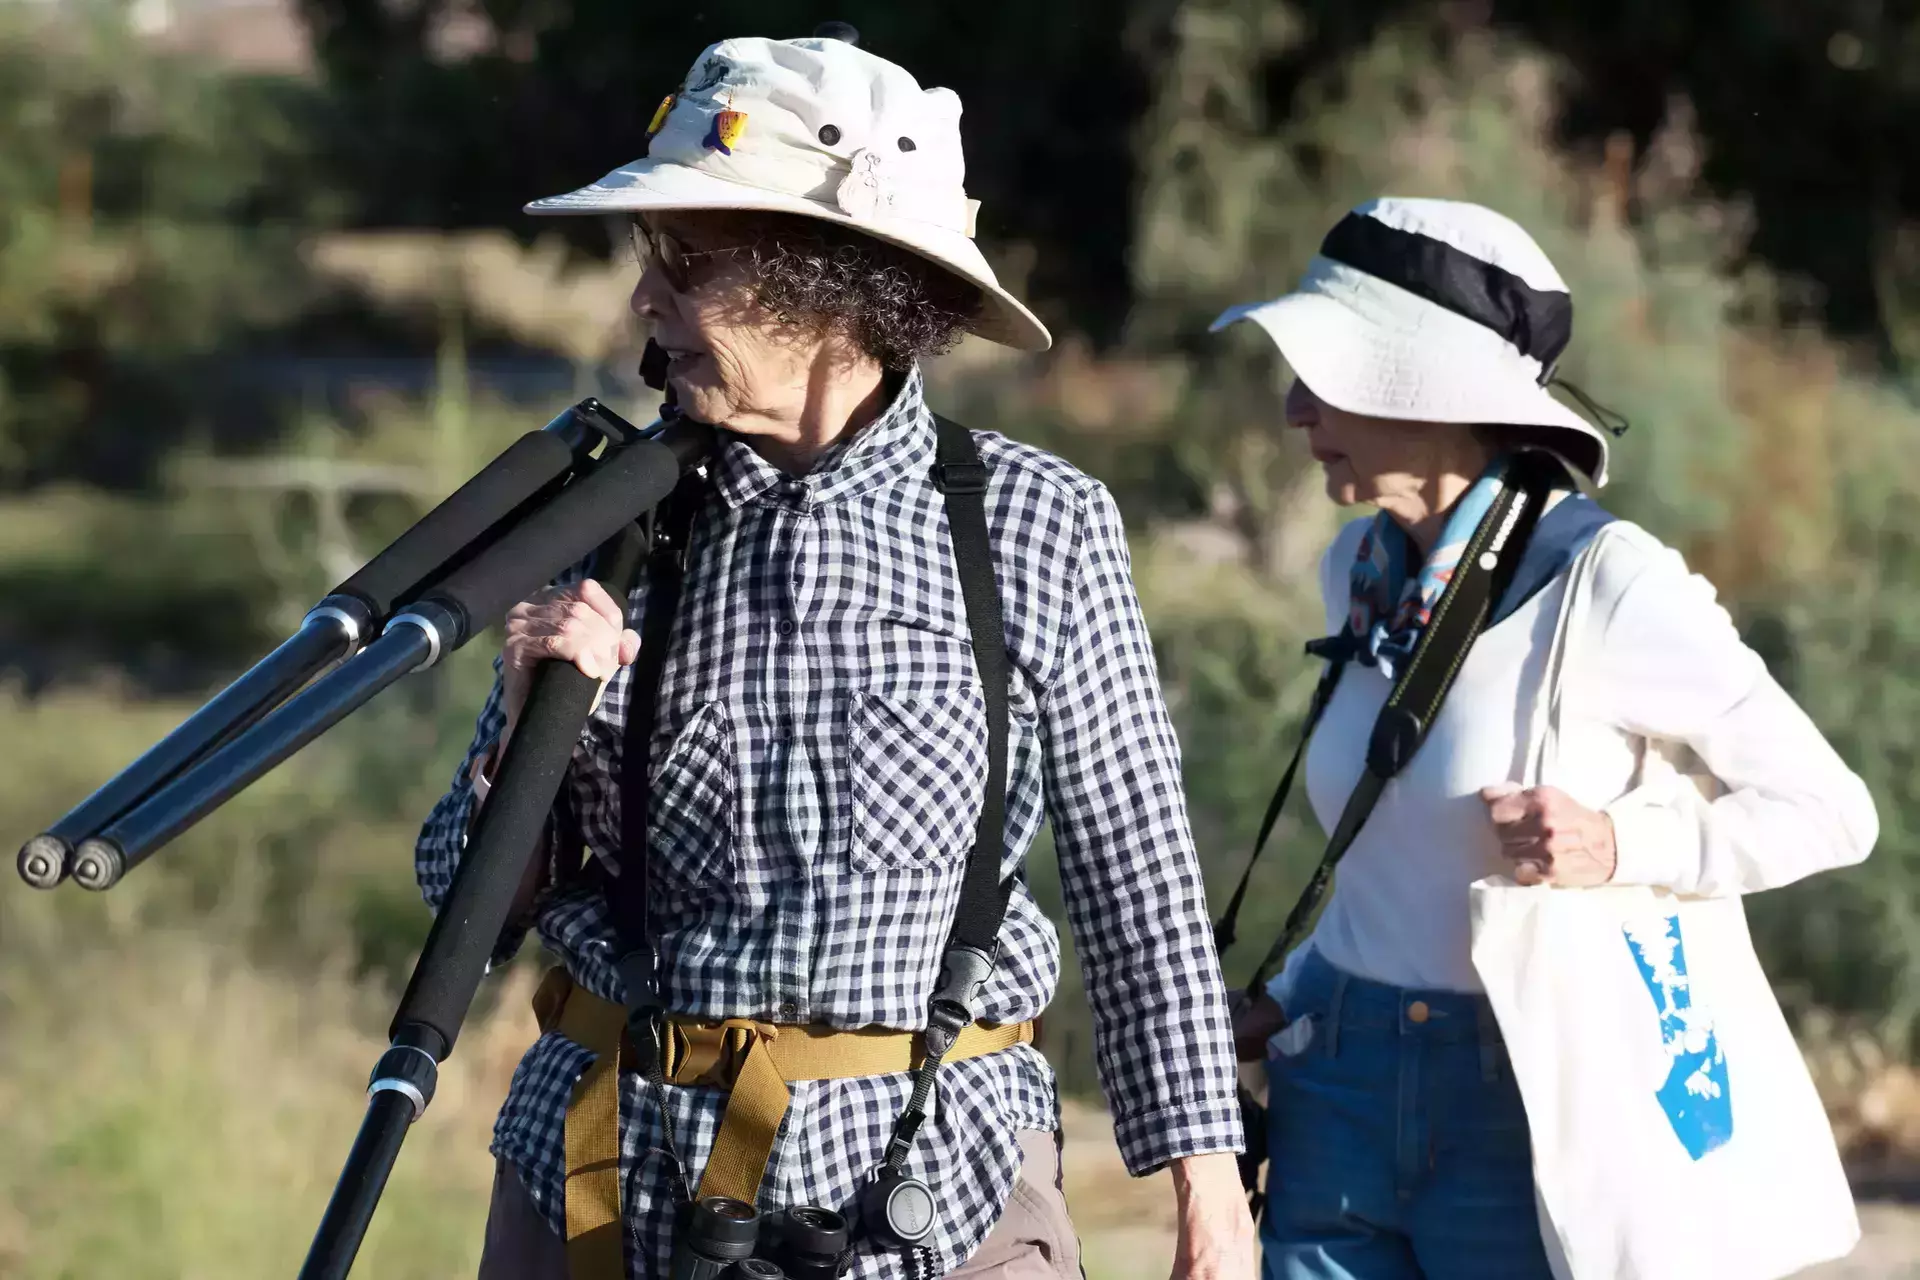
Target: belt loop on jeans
1333,1012
1492,1047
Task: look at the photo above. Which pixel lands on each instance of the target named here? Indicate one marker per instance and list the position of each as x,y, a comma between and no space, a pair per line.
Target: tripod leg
344,1225
455,956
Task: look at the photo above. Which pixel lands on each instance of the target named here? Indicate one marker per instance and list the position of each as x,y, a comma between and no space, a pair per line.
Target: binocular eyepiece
720,1238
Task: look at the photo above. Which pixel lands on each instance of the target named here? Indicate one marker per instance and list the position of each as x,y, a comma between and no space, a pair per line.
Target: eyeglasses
652,247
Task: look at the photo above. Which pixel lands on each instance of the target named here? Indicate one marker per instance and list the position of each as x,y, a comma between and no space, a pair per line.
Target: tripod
542,506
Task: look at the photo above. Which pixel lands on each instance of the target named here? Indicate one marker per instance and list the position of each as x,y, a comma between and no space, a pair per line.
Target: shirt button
1418,1011
789,1009
786,627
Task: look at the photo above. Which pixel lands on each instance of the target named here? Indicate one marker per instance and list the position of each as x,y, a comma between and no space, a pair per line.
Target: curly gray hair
894,305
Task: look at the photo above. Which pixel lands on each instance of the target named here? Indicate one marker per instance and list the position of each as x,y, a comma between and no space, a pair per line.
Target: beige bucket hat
821,128
1436,311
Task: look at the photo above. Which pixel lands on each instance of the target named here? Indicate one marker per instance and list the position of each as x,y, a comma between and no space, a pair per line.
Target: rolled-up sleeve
1673,668
1129,872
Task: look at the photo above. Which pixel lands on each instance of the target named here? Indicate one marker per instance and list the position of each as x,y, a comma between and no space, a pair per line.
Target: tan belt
754,1060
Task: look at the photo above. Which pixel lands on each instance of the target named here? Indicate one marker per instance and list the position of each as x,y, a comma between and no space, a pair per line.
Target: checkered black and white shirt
818,768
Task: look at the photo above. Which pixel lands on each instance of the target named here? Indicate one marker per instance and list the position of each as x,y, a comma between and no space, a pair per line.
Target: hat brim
663,186
1372,348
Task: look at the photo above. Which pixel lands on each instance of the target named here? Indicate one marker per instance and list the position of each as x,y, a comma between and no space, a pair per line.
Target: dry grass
1125,1224
1873,1100
1127,1232
171,1103
538,294
169,1110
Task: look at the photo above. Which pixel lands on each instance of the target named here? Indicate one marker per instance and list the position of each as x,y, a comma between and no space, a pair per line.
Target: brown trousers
1034,1239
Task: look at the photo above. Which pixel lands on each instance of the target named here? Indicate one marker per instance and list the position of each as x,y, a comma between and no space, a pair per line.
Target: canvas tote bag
1676,1132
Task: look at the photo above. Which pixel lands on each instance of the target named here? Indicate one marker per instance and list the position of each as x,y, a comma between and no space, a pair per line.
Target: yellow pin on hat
661,113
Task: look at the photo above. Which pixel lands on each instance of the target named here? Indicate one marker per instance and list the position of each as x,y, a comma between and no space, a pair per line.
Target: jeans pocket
1294,1039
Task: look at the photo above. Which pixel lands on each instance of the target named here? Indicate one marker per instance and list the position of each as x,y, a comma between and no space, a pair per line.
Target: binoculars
720,1238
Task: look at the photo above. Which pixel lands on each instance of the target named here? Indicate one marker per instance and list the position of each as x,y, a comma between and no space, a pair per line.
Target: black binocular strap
1481,577
961,477
666,572
1336,650
669,530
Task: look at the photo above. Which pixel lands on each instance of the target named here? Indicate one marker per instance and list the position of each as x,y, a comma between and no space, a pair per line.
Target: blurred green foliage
182,1060
153,219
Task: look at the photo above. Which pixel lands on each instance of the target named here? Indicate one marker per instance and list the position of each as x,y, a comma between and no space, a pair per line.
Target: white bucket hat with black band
1436,311
820,128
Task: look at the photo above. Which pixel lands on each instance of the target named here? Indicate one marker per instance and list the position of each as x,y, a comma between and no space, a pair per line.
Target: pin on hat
660,114
728,126
821,128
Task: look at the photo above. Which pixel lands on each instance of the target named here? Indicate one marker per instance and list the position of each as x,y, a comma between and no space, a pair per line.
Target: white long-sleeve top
1658,659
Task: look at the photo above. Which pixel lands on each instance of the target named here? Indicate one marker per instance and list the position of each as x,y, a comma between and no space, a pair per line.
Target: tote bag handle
1543,756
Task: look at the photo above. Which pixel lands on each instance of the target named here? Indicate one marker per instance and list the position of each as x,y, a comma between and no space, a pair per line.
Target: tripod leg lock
409,1071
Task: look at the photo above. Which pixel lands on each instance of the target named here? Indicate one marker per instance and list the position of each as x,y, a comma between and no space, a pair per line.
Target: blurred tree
152,219
1841,636
157,216
1805,106
547,97
1809,108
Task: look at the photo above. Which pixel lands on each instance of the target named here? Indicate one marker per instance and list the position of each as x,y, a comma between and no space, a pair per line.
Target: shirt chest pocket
691,827
918,769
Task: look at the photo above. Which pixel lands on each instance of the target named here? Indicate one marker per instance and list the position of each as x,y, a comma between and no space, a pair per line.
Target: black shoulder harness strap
973,945
1486,567
962,479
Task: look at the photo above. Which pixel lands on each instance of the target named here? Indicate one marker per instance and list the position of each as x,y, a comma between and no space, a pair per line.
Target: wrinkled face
732,364
1381,461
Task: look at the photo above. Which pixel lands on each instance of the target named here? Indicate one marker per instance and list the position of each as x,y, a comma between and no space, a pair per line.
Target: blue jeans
1397,1143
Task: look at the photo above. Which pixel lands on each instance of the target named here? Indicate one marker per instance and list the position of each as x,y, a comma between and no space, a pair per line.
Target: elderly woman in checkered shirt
819,745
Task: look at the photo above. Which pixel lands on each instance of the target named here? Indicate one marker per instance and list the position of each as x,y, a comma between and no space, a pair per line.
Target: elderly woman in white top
1422,339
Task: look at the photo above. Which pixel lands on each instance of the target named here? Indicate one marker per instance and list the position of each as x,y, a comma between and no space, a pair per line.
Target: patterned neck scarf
1389,607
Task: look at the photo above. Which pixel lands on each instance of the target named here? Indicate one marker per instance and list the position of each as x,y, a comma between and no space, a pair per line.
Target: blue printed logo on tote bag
1695,1095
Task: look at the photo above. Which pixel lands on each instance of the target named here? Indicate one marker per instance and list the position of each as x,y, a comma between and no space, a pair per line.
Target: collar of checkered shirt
897,441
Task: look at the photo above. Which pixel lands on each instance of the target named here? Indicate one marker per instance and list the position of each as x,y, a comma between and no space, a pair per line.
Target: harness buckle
1396,735
639,972
964,971
960,477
